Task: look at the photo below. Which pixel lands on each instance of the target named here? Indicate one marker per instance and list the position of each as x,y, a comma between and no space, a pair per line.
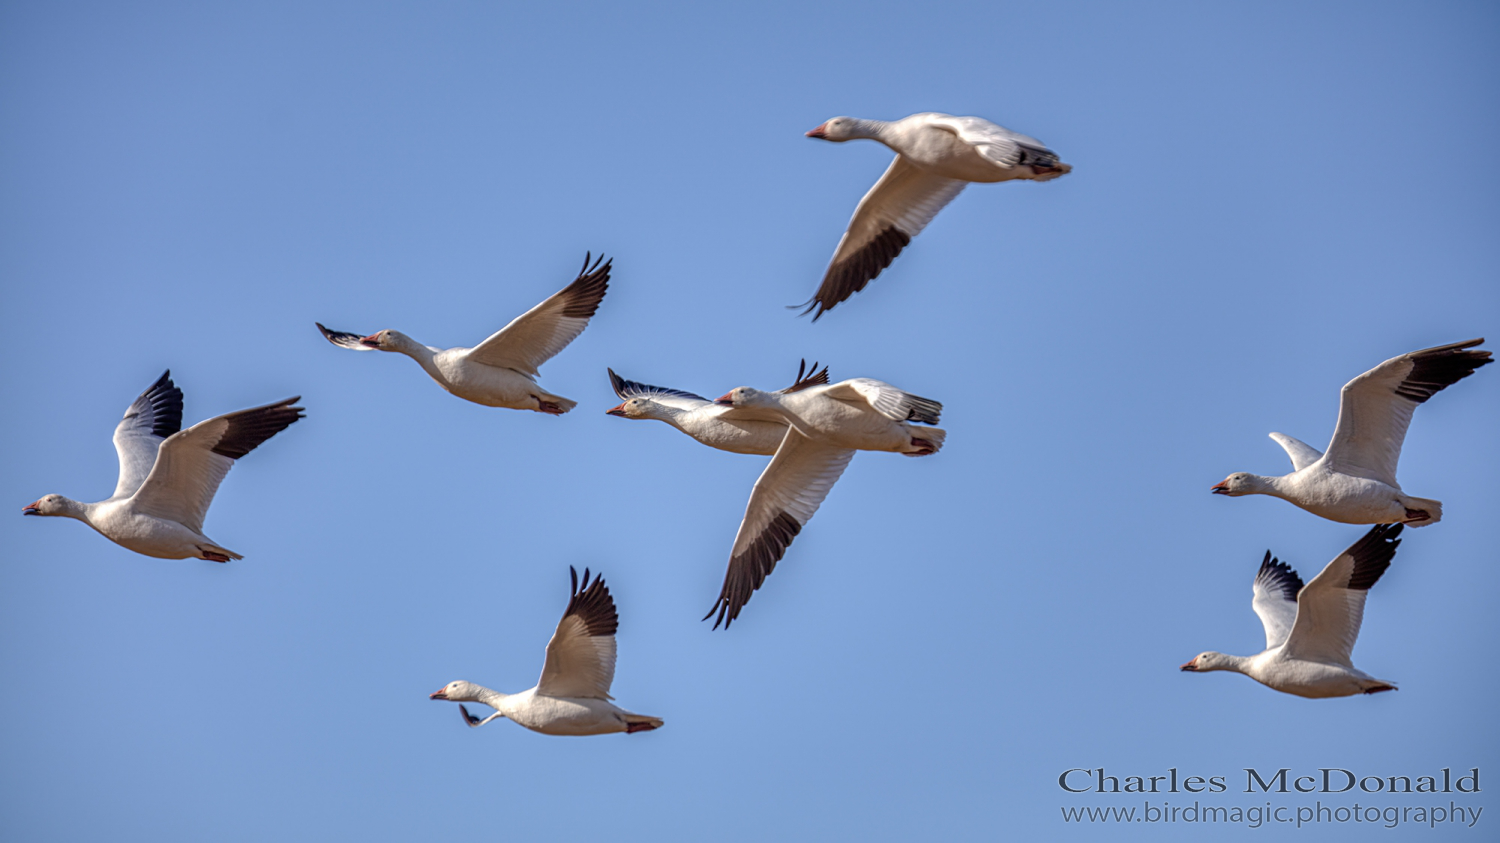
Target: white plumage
572,697
937,155
1311,630
168,476
1354,482
826,425
502,370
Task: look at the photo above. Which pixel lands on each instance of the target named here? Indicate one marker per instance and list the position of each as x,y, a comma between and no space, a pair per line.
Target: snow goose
168,476
572,697
1355,481
715,425
1310,630
936,156
502,370
826,425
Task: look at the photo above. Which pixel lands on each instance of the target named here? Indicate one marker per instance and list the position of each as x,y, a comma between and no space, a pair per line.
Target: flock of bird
1311,629
811,429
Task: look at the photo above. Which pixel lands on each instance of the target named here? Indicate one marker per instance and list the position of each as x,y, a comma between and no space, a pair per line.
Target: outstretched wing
1375,408
191,464
895,210
1301,453
1275,599
154,416
537,335
1331,607
785,497
581,655
343,339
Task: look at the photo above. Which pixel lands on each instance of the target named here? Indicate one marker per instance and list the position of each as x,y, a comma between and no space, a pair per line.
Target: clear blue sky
1267,200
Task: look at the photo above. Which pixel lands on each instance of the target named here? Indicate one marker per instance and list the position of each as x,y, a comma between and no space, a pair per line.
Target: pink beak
1192,665
820,132
727,398
32,508
371,341
439,694
616,411
1222,488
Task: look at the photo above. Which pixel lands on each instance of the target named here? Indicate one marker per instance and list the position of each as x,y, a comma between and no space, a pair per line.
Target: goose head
386,340
838,129
1239,483
1205,662
636,408
48,505
745,396
458,691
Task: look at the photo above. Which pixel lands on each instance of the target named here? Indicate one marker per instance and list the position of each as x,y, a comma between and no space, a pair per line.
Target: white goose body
121,522
502,370
1311,629
826,425
572,698
456,371
168,476
568,716
712,424
859,414
937,155
1315,680
1355,481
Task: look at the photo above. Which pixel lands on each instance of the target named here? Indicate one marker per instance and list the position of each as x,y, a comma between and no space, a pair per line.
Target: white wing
887,400
154,416
537,335
895,210
1002,146
1331,607
785,497
191,464
581,655
1275,599
1375,408
1301,453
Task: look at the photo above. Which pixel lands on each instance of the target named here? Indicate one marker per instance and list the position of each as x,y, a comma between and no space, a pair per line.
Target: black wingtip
1435,369
585,292
816,378
1278,575
249,429
160,406
616,383
1372,554
593,604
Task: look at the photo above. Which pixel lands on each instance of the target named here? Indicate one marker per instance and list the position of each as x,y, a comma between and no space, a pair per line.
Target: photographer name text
1283,780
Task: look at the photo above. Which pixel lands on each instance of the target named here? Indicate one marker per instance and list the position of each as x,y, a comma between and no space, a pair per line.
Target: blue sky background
1267,200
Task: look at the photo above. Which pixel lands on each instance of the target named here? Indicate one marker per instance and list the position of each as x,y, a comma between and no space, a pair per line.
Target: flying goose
502,370
826,425
1355,481
715,425
572,697
937,155
168,476
1310,630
